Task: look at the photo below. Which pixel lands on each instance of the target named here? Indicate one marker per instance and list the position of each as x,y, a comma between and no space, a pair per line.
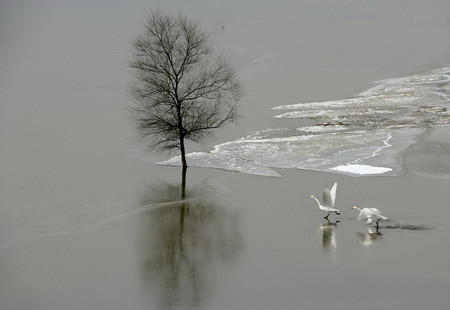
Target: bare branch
182,88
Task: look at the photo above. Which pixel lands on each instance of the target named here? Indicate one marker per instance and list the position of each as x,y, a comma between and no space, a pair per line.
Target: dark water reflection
184,244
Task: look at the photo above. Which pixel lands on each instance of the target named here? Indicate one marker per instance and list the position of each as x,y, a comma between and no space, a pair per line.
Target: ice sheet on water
321,128
417,101
384,100
358,136
336,115
222,161
437,76
258,153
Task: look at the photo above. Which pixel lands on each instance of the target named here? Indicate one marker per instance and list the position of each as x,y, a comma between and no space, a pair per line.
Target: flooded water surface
353,92
262,243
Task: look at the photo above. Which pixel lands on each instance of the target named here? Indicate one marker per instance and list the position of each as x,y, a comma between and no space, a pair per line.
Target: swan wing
329,209
333,193
327,199
364,214
375,211
378,213
369,220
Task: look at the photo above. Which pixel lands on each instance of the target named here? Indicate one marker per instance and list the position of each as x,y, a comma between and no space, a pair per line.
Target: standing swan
369,215
329,197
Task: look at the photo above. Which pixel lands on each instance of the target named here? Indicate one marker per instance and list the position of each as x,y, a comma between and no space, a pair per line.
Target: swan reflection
369,238
183,245
329,235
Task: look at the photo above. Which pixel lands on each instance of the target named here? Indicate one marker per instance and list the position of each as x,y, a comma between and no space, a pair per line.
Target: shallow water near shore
89,221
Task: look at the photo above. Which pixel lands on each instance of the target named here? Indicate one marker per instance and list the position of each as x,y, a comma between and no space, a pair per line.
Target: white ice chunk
323,128
361,169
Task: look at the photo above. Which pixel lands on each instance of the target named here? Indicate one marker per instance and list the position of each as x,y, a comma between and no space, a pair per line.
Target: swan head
355,207
312,196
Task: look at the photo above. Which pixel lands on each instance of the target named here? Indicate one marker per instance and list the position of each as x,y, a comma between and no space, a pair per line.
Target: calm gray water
247,242
88,222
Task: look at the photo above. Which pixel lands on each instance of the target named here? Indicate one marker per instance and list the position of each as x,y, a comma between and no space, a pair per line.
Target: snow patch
361,169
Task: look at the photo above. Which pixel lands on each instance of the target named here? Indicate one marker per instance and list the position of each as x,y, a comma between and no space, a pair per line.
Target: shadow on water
184,245
407,227
407,223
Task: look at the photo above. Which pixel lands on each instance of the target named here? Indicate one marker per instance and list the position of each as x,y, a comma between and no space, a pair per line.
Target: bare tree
182,88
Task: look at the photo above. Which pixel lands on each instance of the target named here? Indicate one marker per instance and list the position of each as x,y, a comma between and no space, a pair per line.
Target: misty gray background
73,231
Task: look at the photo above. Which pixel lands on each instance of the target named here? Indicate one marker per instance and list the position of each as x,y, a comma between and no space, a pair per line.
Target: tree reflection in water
185,243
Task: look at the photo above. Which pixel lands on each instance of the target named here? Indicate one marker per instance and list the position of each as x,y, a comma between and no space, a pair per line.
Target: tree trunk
183,183
184,165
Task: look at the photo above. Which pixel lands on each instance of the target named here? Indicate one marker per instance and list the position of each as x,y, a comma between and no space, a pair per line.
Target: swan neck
317,200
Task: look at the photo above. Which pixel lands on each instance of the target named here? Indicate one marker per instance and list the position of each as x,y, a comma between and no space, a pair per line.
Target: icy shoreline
360,136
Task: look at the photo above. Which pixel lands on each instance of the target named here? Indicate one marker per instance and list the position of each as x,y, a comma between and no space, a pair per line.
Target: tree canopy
183,89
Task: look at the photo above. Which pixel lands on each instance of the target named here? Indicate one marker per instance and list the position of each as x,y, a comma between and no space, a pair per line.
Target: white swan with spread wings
329,197
369,215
